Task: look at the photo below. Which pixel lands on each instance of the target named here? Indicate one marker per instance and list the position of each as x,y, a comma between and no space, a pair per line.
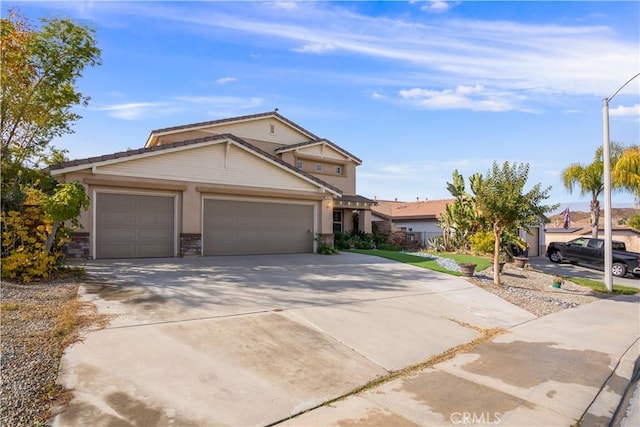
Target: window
338,170
299,164
337,221
319,167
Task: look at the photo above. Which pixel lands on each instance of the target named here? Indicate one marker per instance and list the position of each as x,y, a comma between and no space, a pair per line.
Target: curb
614,400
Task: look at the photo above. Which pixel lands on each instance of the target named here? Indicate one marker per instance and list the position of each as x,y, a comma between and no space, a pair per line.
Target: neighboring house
417,220
629,236
253,184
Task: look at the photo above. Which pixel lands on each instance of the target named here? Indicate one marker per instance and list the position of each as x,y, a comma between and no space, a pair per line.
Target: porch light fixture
606,153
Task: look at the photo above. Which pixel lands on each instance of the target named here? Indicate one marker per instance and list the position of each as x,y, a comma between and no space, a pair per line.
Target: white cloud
215,105
225,80
137,110
436,6
622,111
282,4
536,60
315,48
475,98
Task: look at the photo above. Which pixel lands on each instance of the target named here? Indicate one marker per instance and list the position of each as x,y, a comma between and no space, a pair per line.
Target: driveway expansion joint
486,335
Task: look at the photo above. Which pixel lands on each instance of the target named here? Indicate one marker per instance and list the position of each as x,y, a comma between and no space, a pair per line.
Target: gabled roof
80,164
393,210
318,142
199,125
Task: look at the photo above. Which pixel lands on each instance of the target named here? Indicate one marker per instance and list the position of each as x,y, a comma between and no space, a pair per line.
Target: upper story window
299,164
319,167
338,170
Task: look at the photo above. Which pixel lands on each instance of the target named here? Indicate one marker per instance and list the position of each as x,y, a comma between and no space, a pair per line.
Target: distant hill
619,217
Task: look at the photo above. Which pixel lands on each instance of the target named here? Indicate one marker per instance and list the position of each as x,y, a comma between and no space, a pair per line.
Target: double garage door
234,227
139,226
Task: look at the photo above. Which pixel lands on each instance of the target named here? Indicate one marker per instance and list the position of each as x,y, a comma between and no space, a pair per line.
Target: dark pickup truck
587,250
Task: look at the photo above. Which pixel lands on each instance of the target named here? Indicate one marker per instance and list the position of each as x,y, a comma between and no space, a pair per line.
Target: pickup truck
590,251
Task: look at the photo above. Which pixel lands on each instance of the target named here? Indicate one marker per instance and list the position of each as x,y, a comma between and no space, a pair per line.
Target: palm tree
625,176
627,170
590,180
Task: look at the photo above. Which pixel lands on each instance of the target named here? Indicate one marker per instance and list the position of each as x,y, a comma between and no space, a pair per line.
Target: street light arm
622,87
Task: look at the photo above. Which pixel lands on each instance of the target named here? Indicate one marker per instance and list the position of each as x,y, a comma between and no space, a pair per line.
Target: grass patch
428,263
599,286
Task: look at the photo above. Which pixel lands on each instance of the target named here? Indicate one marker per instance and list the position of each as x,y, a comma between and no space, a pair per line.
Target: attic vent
272,129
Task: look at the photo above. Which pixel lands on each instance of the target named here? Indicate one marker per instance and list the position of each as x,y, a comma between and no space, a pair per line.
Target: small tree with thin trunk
502,202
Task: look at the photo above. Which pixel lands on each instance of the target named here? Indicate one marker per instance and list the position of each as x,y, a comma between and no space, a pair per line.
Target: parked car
590,251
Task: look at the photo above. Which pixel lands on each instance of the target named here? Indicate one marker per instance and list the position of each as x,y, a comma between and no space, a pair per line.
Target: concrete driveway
252,340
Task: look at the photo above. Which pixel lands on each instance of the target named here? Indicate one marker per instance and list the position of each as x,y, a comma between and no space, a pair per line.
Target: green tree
39,73
634,222
502,202
625,176
40,69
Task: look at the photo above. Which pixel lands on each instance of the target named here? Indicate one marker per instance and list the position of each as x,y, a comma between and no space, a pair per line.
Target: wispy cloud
137,110
475,98
315,48
225,80
214,105
433,5
516,62
545,59
282,4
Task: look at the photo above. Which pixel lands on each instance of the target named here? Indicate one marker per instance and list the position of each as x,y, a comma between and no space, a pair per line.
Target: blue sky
415,89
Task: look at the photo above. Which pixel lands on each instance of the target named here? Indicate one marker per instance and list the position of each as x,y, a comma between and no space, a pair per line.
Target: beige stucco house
256,184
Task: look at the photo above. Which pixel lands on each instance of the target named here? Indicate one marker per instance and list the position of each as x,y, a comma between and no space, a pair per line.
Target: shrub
354,239
34,234
482,242
24,249
327,249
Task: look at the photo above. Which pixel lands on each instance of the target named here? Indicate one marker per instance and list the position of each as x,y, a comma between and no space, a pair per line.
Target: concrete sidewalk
570,366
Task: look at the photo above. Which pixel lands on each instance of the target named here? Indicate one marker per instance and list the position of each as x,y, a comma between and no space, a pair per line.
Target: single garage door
232,227
134,226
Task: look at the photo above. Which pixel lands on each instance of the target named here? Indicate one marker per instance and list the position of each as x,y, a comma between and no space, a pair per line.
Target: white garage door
232,227
134,226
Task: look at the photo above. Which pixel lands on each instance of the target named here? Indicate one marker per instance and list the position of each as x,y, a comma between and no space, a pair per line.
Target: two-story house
256,184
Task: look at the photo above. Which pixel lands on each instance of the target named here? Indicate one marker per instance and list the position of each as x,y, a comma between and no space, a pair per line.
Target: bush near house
358,240
33,234
24,249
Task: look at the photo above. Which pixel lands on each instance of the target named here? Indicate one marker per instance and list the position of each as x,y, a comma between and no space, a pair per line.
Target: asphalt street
571,270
